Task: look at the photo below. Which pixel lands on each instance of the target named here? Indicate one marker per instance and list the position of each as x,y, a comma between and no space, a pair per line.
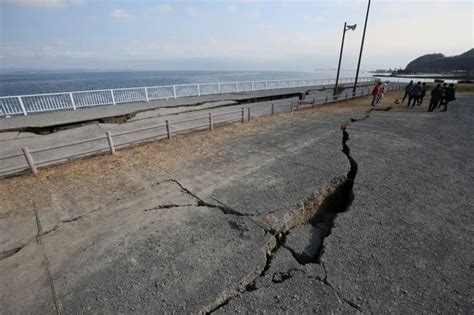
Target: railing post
252,86
23,109
211,124
113,97
314,102
219,85
326,100
72,101
243,115
29,160
248,110
236,86
111,142
174,91
266,85
146,95
292,106
168,132
199,90
273,109
346,95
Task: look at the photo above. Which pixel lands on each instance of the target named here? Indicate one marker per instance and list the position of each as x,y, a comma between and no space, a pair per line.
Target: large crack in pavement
319,210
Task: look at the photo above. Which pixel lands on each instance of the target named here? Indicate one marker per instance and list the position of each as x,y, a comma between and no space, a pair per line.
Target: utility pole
346,28
361,49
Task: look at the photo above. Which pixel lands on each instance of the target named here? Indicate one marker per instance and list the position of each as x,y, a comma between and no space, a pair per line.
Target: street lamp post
346,28
361,48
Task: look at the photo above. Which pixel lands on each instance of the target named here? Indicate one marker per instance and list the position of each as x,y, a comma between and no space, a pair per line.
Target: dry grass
107,178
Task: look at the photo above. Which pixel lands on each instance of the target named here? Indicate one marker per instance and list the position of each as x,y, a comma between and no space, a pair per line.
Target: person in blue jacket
408,89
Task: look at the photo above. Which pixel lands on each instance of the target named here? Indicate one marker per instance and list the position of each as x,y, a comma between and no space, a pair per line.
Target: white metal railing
27,104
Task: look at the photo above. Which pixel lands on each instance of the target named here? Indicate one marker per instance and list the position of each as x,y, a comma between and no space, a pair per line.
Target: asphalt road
237,229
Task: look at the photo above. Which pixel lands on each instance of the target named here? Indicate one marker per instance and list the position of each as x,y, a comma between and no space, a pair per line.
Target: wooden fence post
29,160
111,142
211,124
168,129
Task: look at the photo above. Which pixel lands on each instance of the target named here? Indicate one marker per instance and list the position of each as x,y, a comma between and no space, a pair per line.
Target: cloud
232,8
254,14
191,11
162,9
42,3
121,14
313,18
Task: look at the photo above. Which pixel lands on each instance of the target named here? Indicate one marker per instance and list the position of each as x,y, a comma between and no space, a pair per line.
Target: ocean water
37,82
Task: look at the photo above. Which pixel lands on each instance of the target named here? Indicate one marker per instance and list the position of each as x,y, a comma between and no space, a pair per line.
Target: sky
227,35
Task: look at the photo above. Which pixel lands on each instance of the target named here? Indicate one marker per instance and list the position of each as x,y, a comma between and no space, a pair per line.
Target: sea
23,82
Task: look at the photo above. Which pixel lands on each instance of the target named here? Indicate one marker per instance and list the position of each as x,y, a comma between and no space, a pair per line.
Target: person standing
435,97
415,94
375,93
408,89
450,95
443,95
381,93
423,93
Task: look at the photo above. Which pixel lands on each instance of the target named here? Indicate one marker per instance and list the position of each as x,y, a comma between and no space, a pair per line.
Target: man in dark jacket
423,93
443,95
450,95
408,89
415,94
435,97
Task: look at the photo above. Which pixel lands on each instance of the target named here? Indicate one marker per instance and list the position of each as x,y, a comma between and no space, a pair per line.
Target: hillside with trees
433,63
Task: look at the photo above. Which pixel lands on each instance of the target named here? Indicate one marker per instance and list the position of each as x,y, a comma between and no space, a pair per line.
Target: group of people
440,95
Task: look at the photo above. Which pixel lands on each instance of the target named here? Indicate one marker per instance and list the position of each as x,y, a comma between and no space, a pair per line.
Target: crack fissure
10,252
340,297
201,203
169,206
320,210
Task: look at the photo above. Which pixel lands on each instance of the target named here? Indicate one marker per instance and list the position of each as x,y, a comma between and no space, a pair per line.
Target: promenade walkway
45,130
282,214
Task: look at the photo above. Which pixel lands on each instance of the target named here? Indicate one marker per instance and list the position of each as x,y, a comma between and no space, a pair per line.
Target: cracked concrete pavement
272,220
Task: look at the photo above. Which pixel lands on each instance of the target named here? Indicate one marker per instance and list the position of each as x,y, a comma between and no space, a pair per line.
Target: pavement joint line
46,262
